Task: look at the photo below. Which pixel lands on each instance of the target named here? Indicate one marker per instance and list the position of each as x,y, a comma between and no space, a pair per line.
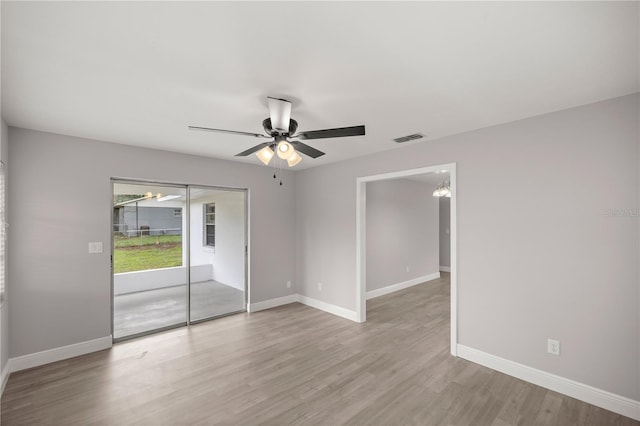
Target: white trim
445,269
401,286
4,377
247,245
272,303
328,307
58,354
314,303
361,255
601,398
453,227
361,196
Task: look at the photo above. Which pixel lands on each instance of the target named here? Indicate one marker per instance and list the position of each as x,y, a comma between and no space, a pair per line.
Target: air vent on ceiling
409,138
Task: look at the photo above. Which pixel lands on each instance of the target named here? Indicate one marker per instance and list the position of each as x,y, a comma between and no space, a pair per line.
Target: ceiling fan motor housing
266,123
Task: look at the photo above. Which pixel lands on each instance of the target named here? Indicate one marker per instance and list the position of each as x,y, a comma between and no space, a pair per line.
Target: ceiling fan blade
280,114
306,149
254,149
332,133
233,132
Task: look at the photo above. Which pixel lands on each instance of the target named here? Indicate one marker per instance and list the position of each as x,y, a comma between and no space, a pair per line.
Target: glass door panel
149,258
217,268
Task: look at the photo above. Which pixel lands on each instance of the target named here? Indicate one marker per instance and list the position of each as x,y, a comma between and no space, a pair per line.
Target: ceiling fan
282,128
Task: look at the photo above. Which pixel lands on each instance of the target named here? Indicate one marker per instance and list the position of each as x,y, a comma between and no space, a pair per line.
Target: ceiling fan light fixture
279,128
285,150
294,159
265,155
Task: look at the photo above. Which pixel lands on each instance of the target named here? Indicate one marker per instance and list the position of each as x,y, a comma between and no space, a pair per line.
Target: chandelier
443,190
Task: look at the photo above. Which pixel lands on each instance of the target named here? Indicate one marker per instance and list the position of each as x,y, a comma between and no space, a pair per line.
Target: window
209,221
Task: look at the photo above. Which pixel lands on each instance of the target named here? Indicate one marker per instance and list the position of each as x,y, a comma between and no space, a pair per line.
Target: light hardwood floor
293,365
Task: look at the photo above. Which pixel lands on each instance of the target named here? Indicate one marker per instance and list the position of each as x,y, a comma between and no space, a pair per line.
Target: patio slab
154,309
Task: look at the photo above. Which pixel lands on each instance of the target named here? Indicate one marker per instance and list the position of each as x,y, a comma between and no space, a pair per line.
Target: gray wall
60,199
445,231
4,310
402,231
538,258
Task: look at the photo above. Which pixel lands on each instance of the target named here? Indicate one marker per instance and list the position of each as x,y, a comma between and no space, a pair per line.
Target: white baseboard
58,354
401,286
272,303
445,269
328,307
314,303
601,398
4,377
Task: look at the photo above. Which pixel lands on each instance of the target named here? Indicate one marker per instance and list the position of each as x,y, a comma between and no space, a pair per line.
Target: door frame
361,232
187,230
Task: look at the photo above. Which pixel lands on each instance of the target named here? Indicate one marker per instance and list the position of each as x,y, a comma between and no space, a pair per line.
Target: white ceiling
139,73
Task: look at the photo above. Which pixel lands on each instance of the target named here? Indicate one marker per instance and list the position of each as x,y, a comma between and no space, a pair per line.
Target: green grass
146,252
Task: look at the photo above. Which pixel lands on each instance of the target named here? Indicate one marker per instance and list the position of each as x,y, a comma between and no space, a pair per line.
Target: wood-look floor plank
293,365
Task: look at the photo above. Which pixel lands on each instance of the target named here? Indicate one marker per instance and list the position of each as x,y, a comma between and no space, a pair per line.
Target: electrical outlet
319,286
288,284
553,346
407,268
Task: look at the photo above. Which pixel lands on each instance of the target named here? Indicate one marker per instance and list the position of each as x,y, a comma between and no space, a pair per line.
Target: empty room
378,213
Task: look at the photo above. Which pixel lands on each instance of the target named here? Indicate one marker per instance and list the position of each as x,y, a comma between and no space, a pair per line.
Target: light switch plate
95,247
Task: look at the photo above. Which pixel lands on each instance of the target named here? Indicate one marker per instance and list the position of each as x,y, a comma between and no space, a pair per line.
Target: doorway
178,255
361,240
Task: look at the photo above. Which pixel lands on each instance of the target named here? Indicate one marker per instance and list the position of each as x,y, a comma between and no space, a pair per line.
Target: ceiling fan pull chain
274,169
280,166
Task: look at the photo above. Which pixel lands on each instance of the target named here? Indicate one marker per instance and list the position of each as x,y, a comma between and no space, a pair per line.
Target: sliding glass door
149,258
216,252
159,229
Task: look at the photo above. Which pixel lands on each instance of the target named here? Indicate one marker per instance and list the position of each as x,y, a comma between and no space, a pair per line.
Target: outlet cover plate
553,347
